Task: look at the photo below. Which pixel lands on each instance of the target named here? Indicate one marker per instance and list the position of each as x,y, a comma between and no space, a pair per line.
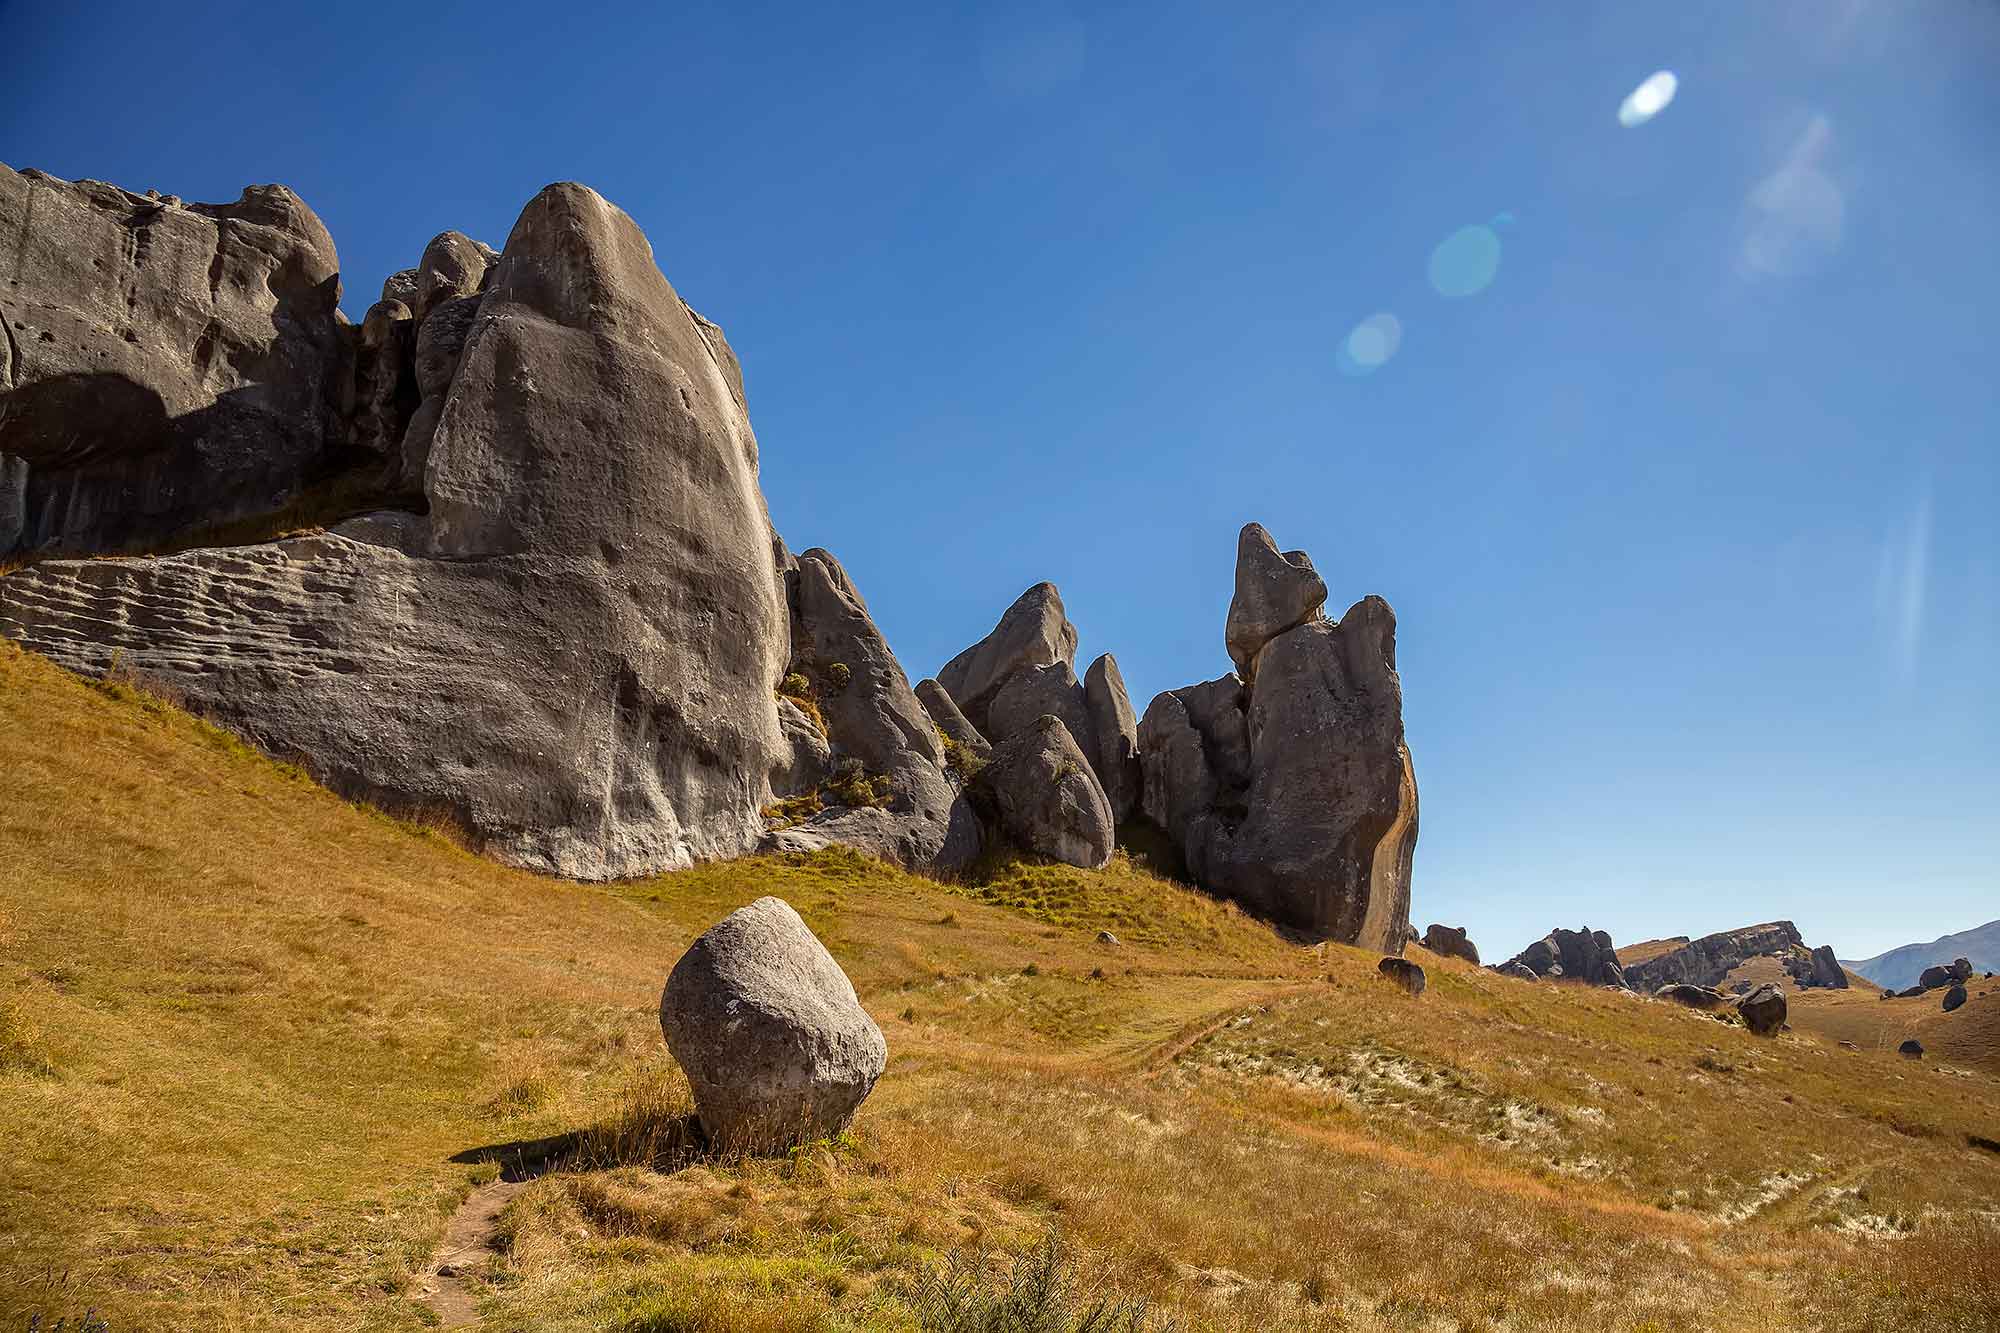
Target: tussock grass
257,1044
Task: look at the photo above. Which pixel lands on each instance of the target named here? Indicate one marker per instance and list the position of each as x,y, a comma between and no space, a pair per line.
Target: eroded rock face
1274,593
1051,687
774,1042
1033,632
1710,959
1116,732
957,728
1045,799
576,654
164,365
1694,997
1404,973
1954,997
1763,1010
1293,793
1451,942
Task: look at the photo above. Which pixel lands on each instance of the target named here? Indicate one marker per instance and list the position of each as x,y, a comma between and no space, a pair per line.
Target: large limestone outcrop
164,365
1033,632
575,653
776,1047
1573,955
1115,731
1710,959
888,792
1044,798
1293,793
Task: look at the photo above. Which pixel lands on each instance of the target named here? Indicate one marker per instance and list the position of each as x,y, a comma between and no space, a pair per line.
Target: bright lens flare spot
1649,99
1371,344
1465,262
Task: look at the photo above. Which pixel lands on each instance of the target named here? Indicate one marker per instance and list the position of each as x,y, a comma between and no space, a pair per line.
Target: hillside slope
257,1044
1899,968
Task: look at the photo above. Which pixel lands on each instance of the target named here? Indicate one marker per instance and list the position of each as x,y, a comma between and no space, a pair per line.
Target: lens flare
1466,262
1649,99
1369,346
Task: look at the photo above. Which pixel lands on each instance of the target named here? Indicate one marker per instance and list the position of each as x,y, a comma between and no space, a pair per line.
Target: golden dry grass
256,1043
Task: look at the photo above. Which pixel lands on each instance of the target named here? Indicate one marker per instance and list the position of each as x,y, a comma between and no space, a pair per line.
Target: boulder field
500,553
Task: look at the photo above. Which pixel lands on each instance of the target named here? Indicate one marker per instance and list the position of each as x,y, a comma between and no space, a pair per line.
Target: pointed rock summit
1274,593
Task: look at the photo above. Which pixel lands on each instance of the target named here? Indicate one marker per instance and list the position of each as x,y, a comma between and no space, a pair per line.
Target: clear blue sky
1688,515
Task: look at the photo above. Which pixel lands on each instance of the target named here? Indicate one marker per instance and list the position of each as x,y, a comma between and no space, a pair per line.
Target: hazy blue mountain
1902,966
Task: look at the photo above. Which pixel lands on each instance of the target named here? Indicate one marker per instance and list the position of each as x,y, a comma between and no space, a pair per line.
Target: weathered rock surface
1961,969
1274,593
1954,997
1709,960
1032,632
1116,731
1045,799
1694,997
1935,976
1763,1010
1034,691
575,654
1519,971
1295,796
164,365
874,720
1451,942
957,728
1575,955
1404,973
1912,1049
774,1042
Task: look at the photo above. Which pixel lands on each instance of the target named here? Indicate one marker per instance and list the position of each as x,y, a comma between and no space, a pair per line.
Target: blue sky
1688,514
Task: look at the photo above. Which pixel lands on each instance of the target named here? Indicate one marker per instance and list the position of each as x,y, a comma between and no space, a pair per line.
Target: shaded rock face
1710,959
1033,632
1912,1049
1451,942
955,726
1763,1010
164,365
575,654
1574,955
875,728
1961,969
1044,798
1404,973
1116,732
1294,795
1936,976
775,1045
1051,687
1954,997
1274,593
1694,997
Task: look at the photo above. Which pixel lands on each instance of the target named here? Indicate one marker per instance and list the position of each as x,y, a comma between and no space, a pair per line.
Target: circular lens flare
1649,99
1368,347
1466,262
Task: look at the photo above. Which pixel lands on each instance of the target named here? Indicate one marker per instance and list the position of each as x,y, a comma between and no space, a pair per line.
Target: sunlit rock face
1293,792
573,653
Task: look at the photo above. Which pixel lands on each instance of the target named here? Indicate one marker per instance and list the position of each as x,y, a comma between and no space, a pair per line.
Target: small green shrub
838,675
795,686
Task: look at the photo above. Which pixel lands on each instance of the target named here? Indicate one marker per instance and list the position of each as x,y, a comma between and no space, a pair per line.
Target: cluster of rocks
1585,955
546,597
1710,959
1950,978
1588,957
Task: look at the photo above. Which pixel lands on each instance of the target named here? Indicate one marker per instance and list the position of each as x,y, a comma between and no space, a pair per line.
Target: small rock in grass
1404,973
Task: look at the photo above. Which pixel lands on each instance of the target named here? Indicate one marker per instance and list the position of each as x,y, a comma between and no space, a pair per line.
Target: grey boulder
1404,973
951,723
1911,1049
1936,975
1954,997
1044,798
1032,632
1451,942
774,1042
1763,1010
1694,997
1051,687
1274,593
1575,955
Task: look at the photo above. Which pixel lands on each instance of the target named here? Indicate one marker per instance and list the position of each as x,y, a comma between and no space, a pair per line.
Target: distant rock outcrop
1451,942
1900,967
1408,975
1292,794
1694,997
776,1047
1573,955
1763,1010
1954,997
1710,959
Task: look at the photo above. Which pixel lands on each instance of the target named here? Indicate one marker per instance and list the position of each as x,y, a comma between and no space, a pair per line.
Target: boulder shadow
664,1144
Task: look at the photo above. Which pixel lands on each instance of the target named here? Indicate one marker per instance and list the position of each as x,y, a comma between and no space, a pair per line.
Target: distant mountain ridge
1900,967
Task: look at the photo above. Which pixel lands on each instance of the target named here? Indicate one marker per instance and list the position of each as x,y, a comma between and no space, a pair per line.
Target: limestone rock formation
1763,1010
898,803
1403,972
1274,593
1710,959
1451,942
1033,632
1935,976
1954,997
1519,971
1116,732
774,1042
1044,797
1694,997
1051,687
952,724
1575,955
165,365
1293,793
575,652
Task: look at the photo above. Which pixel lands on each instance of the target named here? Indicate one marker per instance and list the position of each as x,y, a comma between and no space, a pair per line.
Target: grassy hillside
258,1045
